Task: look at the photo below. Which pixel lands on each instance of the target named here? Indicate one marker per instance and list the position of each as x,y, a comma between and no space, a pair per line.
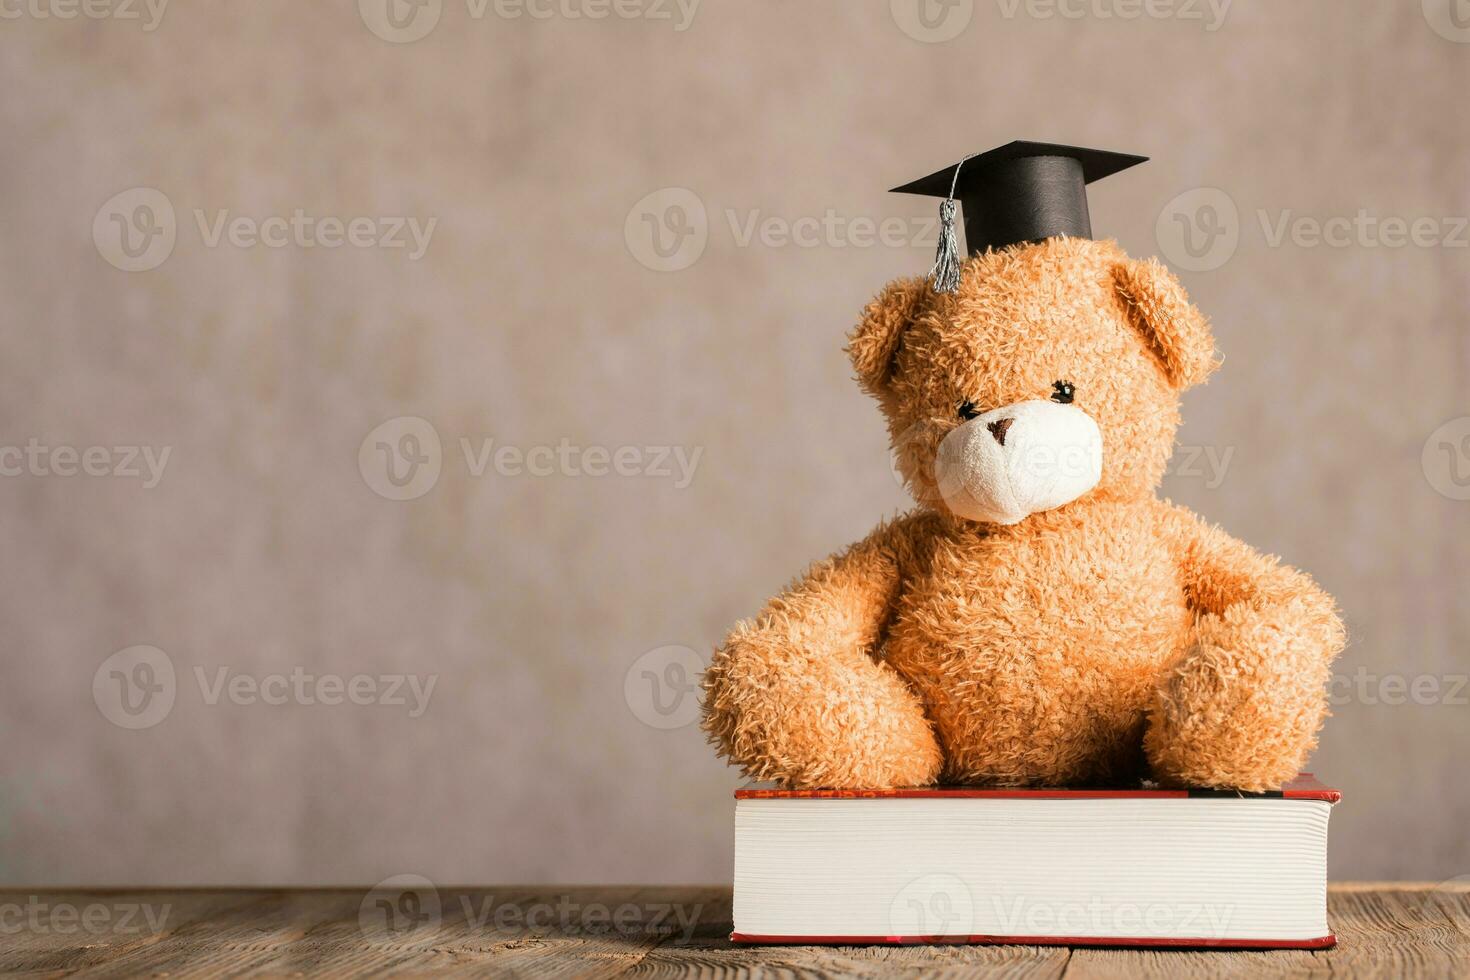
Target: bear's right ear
1176,333
876,340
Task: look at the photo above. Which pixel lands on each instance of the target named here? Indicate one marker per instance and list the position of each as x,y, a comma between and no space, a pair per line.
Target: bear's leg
1241,707
807,717
796,696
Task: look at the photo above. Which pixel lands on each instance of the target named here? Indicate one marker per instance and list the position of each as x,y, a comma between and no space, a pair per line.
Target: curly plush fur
1111,638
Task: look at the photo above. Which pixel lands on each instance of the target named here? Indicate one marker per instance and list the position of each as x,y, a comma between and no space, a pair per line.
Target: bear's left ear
1176,333
875,341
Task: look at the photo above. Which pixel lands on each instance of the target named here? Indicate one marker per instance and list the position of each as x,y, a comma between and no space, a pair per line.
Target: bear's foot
1241,709
812,722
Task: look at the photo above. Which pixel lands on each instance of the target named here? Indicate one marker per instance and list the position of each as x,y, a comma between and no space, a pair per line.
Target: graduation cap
1020,192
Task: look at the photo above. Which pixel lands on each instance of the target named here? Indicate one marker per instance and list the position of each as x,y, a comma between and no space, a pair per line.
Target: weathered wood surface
411,928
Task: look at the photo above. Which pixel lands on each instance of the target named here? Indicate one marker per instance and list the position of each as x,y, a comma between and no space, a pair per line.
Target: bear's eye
1063,392
968,410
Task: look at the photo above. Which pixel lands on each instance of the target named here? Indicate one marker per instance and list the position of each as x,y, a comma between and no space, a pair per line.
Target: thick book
1132,867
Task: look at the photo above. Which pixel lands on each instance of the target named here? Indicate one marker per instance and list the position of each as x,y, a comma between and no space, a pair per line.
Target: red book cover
1304,787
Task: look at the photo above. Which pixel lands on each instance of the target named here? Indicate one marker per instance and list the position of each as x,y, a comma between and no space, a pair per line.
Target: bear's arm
795,694
1241,706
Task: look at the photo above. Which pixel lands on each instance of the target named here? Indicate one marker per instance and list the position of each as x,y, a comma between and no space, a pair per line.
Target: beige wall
533,318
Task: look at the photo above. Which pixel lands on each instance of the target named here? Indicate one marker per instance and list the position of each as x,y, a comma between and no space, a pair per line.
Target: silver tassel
945,276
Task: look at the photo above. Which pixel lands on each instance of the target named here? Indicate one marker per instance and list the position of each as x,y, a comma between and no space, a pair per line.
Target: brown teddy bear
1041,618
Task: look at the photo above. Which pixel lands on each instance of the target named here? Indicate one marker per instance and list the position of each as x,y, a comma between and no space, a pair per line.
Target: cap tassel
945,275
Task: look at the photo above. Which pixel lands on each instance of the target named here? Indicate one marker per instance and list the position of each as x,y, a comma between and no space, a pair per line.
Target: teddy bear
1041,617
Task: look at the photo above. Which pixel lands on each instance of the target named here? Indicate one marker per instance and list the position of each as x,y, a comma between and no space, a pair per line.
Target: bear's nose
998,429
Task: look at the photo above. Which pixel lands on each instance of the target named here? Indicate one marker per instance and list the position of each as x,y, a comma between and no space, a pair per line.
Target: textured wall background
555,743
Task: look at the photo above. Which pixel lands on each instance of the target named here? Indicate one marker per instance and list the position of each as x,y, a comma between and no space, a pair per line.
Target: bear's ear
1175,332
876,340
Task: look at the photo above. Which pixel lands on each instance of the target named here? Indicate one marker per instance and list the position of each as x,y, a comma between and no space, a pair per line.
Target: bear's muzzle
1011,462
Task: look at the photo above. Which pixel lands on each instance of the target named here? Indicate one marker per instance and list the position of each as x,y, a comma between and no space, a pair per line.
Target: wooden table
409,927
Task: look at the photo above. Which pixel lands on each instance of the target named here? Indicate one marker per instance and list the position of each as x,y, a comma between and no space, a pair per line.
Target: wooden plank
102,926
1383,930
721,959
254,929
568,933
1400,932
562,933
711,954
1119,964
1388,930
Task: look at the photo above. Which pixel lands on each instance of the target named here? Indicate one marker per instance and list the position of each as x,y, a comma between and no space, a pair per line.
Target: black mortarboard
1020,192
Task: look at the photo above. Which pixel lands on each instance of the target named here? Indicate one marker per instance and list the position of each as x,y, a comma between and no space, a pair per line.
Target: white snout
1018,460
